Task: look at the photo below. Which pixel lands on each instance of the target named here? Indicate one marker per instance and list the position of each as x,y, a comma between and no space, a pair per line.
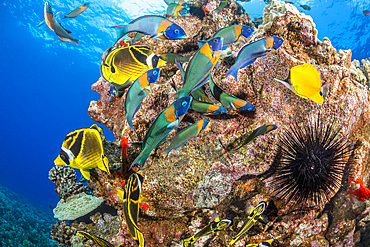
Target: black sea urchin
309,163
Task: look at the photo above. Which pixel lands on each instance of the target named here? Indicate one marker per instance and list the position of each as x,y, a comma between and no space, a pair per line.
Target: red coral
357,188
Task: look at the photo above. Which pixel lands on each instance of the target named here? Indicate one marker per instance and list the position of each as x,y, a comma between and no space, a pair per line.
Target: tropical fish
159,130
214,226
43,21
137,92
267,1
200,66
304,80
156,26
233,33
257,132
358,189
223,4
266,243
257,21
54,25
172,58
99,241
131,198
306,7
176,9
250,52
77,10
289,2
83,149
124,65
207,108
185,134
227,100
182,2
366,12
251,220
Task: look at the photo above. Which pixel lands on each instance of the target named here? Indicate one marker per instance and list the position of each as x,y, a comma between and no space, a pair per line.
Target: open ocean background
45,84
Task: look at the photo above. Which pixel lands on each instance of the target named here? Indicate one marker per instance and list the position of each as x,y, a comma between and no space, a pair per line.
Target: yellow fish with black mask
83,149
304,80
131,198
124,65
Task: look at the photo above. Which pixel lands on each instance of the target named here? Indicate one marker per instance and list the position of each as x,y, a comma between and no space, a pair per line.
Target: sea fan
309,164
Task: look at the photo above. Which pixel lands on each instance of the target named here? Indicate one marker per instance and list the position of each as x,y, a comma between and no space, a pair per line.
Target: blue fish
159,130
250,52
233,33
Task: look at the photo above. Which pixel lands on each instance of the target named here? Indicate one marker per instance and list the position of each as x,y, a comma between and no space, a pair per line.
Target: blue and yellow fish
185,134
137,92
254,215
173,57
227,100
124,65
99,241
233,34
214,226
223,4
159,130
131,198
156,26
200,66
54,25
77,10
181,2
250,52
176,9
83,149
304,80
207,108
257,132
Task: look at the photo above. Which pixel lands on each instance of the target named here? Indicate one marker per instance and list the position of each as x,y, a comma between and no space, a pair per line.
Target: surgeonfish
214,226
99,241
227,100
54,25
77,10
223,4
172,57
207,108
159,130
124,65
257,132
304,80
185,134
131,198
83,149
200,66
176,9
233,34
137,92
265,243
156,26
251,220
250,52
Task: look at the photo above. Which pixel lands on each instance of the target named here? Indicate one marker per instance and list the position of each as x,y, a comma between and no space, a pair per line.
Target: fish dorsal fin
145,16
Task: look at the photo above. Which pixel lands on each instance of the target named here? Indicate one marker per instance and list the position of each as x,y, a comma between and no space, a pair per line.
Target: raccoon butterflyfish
124,65
250,52
83,149
131,198
254,215
185,134
159,130
257,132
99,241
77,10
54,25
304,80
215,226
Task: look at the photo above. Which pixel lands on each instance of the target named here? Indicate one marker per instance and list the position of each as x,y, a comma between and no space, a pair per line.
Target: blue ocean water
45,86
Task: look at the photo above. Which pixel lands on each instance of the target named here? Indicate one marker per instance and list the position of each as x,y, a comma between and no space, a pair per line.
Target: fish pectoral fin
85,173
158,35
173,124
286,84
232,106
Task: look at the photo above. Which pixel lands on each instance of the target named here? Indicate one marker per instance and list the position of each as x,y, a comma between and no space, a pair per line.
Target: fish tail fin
140,160
233,71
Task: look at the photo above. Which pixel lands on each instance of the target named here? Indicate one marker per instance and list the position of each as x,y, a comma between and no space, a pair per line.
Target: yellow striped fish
124,65
83,149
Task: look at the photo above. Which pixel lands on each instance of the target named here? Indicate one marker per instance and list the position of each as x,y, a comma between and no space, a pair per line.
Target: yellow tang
304,80
83,149
124,65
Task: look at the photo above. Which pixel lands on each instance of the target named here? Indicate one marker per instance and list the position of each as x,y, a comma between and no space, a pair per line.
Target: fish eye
184,103
154,72
249,30
320,93
177,31
215,40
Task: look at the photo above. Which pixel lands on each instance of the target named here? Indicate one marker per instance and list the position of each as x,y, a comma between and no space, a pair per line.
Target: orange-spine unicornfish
358,189
77,10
